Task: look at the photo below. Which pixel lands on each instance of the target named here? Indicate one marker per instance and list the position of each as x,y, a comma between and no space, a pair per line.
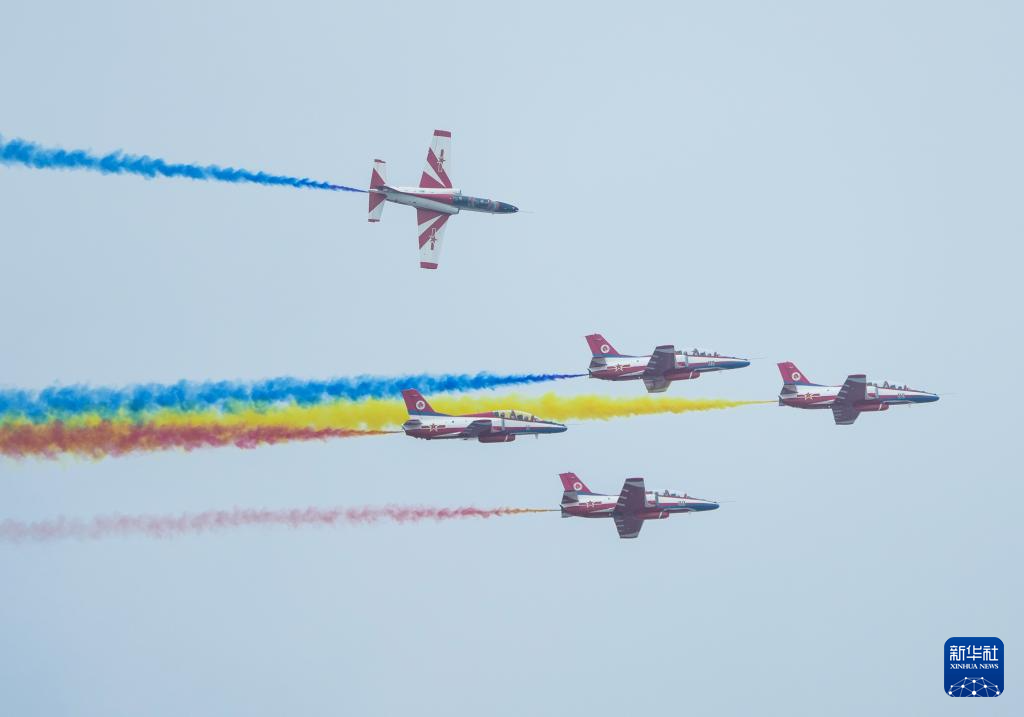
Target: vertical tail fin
571,482
378,178
794,376
417,405
600,348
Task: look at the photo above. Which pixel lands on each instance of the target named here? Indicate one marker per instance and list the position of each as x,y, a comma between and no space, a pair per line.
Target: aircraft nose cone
931,398
742,363
559,428
699,506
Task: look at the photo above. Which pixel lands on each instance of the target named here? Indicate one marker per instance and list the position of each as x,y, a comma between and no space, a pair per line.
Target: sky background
837,186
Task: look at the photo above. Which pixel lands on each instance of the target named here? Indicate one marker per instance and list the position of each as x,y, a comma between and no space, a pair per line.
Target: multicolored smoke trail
63,402
30,154
247,426
168,526
382,414
108,438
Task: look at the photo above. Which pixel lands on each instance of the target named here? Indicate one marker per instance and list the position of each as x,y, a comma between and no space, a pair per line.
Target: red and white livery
435,199
488,427
856,396
630,508
659,369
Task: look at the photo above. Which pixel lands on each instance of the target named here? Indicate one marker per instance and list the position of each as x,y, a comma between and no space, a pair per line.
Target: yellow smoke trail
553,407
380,414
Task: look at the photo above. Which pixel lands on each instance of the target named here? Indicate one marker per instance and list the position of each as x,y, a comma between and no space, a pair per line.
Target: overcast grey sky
838,186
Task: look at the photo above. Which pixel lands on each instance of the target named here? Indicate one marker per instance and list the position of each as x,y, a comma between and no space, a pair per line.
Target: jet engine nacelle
681,375
498,438
867,407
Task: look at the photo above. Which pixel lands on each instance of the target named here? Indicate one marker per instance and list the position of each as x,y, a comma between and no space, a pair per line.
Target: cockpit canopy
671,494
515,415
886,384
466,201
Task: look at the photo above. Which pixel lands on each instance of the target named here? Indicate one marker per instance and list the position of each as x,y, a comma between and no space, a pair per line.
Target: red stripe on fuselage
612,374
809,401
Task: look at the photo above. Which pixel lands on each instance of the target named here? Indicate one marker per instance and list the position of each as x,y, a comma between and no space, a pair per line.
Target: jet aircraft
489,427
435,200
630,508
658,369
856,396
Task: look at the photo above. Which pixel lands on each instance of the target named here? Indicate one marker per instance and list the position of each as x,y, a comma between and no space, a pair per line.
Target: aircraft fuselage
876,398
688,365
656,506
504,426
446,201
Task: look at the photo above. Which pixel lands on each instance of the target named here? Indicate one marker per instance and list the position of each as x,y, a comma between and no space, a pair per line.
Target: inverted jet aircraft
489,427
856,396
630,508
435,199
658,369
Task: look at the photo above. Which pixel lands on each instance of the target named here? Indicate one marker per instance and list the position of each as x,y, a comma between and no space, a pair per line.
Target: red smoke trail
167,526
52,439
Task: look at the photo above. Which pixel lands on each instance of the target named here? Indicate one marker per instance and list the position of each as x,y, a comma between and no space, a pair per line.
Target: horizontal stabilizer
378,179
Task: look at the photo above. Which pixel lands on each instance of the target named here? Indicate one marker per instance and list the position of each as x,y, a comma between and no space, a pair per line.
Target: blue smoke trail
30,154
65,401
